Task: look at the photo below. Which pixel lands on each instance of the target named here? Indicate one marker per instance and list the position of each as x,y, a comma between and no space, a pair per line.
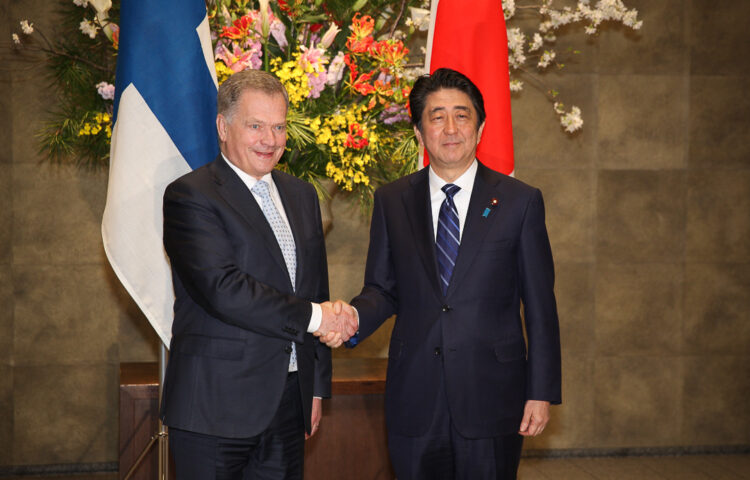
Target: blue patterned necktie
286,243
448,236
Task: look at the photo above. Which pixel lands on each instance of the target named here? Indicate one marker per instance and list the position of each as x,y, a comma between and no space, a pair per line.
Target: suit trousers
442,453
275,454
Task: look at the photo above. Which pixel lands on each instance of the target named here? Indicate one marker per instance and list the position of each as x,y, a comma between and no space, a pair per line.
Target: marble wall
648,210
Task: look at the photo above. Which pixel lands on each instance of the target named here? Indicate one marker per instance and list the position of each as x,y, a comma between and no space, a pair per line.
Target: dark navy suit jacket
472,338
236,313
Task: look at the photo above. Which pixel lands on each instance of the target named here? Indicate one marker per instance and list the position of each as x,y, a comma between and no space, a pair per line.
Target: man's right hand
338,323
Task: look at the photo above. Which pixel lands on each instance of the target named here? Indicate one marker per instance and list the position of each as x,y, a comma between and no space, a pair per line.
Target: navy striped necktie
448,236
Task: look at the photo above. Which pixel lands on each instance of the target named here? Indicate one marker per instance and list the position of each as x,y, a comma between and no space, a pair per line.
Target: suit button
437,351
288,349
447,308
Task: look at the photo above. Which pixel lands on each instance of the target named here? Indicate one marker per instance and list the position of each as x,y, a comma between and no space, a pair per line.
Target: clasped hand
338,324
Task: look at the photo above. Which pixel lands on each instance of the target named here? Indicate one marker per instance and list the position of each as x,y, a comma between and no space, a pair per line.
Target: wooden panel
139,407
351,442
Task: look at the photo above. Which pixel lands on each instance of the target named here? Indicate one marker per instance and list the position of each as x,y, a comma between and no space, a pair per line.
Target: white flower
546,59
590,30
265,27
105,90
336,69
81,3
572,121
101,6
509,8
15,38
516,85
419,19
329,36
27,27
227,16
537,43
399,35
516,41
88,28
411,74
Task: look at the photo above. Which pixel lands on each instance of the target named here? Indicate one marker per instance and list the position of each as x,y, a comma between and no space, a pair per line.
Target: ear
221,127
419,136
479,132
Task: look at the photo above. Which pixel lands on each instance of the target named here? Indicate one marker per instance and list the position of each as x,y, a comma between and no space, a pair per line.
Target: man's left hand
315,417
535,418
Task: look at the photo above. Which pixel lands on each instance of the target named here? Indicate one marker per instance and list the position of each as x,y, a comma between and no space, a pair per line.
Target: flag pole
163,433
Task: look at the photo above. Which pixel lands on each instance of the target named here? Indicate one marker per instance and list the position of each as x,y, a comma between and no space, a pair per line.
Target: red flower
240,29
389,51
361,85
355,137
352,68
360,39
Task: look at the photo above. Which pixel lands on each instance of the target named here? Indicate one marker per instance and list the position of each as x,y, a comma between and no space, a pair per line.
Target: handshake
339,323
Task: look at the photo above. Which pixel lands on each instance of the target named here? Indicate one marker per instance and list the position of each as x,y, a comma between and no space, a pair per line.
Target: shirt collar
465,181
247,179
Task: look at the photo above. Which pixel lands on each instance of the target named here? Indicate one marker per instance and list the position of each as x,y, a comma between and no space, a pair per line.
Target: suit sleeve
378,299
323,363
202,255
537,277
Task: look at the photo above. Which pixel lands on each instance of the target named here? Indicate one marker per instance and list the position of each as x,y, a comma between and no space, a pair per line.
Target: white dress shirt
460,199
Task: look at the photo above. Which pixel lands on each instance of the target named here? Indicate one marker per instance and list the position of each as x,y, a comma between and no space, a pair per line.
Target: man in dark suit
245,376
454,250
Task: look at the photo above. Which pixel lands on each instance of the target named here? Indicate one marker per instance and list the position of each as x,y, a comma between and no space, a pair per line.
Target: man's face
449,130
255,137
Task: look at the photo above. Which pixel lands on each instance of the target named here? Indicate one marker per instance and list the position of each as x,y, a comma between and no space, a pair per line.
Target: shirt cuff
315,318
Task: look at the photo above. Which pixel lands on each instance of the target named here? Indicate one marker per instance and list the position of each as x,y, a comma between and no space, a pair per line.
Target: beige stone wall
648,211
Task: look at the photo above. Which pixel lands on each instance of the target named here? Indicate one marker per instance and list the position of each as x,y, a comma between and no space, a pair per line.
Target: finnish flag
164,126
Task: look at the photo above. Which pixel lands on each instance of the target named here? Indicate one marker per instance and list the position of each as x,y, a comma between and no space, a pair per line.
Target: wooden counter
351,442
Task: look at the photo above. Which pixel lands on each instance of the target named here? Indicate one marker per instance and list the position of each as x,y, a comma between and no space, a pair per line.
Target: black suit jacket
236,313
472,337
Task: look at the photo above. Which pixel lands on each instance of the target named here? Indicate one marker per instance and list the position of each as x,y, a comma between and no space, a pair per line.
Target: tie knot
261,188
450,190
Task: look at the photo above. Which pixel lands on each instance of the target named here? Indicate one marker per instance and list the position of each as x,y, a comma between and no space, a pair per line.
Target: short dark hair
440,79
232,89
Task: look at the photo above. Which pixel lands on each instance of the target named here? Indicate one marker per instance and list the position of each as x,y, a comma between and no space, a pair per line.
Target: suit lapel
417,205
237,195
476,225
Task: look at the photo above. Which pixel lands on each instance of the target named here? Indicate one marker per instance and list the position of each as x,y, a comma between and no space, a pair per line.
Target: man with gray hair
246,375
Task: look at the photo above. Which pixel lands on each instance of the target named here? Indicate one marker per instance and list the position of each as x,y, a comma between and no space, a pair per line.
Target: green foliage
75,64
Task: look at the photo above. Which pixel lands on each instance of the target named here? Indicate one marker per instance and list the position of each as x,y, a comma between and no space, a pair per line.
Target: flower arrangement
344,64
348,88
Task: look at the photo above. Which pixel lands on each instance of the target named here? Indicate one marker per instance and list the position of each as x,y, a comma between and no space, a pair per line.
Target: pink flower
238,59
316,79
105,90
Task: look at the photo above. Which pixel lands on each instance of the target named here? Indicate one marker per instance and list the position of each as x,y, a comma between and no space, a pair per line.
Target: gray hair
232,89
